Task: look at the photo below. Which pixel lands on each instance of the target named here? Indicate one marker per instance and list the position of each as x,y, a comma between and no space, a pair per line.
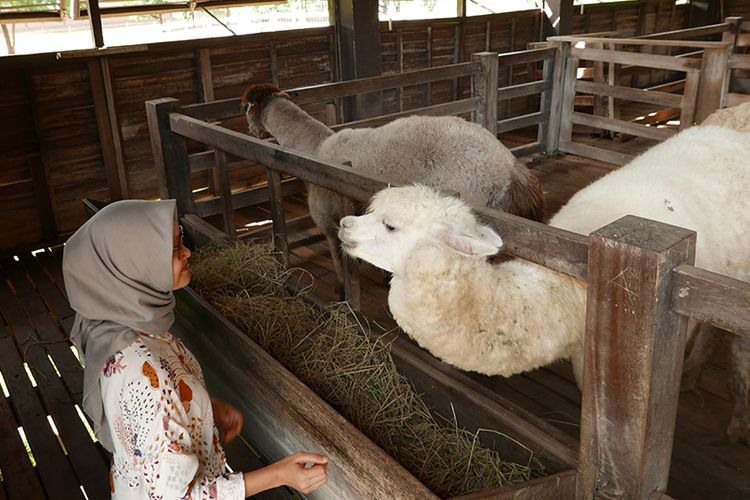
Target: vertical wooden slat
730,37
457,38
274,63
689,98
429,63
203,58
205,75
95,18
484,86
713,72
598,78
568,101
546,101
558,92
612,109
115,182
115,127
399,66
276,198
170,154
224,189
633,358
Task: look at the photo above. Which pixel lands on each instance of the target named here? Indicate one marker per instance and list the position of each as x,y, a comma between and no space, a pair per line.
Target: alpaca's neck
497,320
292,127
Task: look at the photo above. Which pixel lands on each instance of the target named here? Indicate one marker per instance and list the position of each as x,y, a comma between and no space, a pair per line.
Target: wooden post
729,36
568,100
358,41
558,91
223,186
95,18
713,72
115,182
109,95
633,358
484,86
170,154
352,290
280,241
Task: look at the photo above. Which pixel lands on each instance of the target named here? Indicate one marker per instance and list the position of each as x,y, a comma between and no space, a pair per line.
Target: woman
143,390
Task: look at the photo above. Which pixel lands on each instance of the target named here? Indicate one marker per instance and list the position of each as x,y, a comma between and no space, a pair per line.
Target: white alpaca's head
401,219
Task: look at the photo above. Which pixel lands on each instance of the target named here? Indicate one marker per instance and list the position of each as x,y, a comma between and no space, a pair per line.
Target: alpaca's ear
477,240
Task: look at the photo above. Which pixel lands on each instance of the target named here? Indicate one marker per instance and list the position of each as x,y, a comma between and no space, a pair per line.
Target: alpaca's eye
389,227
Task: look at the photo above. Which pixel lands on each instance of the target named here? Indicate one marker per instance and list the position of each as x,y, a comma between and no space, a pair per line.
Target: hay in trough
340,359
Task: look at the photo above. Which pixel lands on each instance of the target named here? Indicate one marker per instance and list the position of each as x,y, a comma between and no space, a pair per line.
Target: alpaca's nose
346,222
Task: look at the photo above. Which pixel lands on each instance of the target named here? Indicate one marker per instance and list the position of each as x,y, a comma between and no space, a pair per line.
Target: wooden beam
553,487
358,41
223,186
713,73
280,241
636,59
624,127
562,50
558,18
170,154
104,127
630,94
95,18
633,358
601,154
484,87
114,123
712,297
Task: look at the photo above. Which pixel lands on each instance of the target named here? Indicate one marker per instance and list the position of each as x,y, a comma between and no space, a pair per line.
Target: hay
352,371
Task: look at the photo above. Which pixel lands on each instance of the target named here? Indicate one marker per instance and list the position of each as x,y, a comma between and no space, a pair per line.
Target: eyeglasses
181,241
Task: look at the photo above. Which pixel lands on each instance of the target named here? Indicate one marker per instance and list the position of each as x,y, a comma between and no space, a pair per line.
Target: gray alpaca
444,152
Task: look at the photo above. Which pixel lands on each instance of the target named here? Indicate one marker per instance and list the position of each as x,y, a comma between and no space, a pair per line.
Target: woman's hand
227,419
302,471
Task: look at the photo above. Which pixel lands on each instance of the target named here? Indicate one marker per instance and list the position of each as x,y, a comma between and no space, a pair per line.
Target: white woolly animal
512,317
445,152
735,117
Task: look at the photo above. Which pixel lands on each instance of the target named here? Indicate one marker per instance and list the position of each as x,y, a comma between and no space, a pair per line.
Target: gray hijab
118,275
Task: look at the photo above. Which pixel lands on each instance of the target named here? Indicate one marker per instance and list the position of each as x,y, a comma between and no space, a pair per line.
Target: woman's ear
476,240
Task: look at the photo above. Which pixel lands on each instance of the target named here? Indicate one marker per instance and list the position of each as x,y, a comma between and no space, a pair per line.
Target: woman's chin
183,281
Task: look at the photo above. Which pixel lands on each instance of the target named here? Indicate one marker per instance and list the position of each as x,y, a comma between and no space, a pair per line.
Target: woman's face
180,256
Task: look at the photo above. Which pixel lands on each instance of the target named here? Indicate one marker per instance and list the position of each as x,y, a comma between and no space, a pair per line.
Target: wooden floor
46,449
704,464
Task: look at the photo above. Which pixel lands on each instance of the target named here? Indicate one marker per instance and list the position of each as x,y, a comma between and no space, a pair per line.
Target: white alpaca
735,117
445,152
516,316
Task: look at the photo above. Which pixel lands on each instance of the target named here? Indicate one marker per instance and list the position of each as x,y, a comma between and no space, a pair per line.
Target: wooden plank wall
630,18
737,8
409,45
75,126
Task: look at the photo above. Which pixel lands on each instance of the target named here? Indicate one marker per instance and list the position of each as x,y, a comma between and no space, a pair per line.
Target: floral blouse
162,425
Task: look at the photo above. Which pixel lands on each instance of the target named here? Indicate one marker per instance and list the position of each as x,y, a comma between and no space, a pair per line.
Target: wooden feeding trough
629,407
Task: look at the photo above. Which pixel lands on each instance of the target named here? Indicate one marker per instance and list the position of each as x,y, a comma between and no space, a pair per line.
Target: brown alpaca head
254,99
